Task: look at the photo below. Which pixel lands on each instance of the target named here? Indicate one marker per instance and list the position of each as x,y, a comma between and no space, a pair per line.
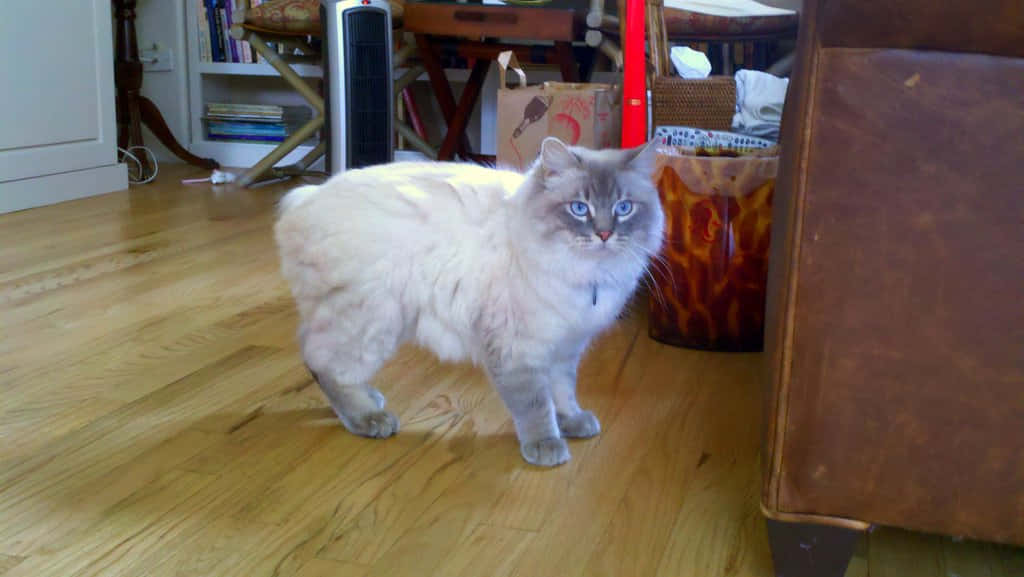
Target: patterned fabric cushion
300,17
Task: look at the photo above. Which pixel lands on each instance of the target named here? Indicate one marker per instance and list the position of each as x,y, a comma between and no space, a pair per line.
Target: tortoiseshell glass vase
709,285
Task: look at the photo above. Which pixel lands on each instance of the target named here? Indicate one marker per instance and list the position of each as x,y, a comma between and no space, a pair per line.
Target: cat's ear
643,158
556,157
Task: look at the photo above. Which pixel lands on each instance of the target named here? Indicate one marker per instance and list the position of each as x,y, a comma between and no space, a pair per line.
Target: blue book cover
234,43
245,137
216,36
246,129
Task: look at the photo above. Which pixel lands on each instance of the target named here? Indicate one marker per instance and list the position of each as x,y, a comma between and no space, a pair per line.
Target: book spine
228,20
212,23
245,137
225,33
203,31
255,127
246,51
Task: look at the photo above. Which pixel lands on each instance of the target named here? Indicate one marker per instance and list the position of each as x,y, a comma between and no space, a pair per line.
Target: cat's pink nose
604,234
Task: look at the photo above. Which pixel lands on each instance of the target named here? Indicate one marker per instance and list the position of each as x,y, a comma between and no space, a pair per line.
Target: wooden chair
292,23
752,33
472,30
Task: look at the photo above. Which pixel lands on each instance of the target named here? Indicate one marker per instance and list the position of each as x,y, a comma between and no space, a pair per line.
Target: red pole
634,78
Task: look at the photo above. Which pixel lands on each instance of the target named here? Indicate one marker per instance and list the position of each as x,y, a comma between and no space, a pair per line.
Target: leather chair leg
805,550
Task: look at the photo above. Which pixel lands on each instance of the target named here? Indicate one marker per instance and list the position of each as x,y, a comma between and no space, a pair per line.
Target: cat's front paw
582,425
376,424
546,452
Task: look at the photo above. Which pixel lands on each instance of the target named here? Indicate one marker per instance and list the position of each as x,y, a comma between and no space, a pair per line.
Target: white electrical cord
141,178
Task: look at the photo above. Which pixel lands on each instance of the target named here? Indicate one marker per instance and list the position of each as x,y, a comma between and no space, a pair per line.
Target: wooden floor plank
326,568
719,529
642,523
8,562
898,553
488,550
1008,560
38,483
481,473
108,539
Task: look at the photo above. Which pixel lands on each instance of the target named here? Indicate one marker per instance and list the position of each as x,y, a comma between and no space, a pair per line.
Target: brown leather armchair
895,323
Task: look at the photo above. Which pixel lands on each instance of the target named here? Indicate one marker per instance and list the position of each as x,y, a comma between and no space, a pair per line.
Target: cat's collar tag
595,294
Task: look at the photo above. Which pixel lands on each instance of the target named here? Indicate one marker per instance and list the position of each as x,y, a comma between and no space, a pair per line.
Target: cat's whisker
660,264
660,261
652,286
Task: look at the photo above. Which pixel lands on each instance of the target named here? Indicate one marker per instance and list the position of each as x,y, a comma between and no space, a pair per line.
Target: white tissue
690,63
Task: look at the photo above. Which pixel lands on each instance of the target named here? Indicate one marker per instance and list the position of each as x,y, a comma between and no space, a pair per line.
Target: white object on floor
690,63
216,177
729,8
759,101
222,177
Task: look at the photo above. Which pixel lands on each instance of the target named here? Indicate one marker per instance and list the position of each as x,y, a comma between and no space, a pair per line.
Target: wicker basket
699,103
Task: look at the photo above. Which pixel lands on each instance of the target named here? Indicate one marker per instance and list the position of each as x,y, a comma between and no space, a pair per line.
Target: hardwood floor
156,420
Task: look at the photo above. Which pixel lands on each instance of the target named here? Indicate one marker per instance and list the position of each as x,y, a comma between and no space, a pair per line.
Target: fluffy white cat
515,272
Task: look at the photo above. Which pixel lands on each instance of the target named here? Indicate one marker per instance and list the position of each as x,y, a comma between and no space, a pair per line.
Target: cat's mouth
597,246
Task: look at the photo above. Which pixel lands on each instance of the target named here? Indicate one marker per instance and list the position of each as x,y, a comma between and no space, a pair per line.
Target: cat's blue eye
623,208
578,208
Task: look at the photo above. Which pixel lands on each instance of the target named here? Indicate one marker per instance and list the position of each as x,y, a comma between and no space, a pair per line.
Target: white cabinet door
56,88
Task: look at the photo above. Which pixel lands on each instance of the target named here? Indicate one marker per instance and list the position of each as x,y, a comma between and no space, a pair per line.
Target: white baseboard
54,188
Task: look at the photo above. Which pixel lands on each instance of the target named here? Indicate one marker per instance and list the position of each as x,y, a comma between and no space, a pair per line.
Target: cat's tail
296,197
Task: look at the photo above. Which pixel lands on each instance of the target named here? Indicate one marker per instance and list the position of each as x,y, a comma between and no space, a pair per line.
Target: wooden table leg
442,90
457,122
567,62
133,108
151,117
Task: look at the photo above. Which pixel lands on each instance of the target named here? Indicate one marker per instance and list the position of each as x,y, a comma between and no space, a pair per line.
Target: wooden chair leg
442,90
567,62
266,165
804,550
457,123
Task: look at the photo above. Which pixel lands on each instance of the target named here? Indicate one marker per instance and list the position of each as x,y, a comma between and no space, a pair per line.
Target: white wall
163,22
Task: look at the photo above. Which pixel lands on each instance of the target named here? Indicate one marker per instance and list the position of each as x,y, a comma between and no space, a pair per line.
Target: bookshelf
245,83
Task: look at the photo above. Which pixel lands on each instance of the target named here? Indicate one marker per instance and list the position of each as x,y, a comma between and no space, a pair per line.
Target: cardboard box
583,114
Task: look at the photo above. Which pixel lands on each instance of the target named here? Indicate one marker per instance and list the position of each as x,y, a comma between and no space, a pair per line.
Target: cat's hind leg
344,344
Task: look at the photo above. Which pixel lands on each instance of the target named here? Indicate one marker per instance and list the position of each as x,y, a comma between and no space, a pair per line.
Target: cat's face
601,203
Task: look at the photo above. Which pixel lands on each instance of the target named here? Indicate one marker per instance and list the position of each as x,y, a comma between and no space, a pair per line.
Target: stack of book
214,26
250,122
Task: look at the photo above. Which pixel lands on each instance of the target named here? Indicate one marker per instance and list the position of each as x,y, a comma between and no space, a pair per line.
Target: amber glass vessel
709,285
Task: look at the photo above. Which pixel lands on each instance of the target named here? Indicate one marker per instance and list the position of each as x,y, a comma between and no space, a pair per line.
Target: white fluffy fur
448,256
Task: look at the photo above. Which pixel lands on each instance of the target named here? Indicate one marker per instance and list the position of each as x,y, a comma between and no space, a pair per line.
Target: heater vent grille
368,69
